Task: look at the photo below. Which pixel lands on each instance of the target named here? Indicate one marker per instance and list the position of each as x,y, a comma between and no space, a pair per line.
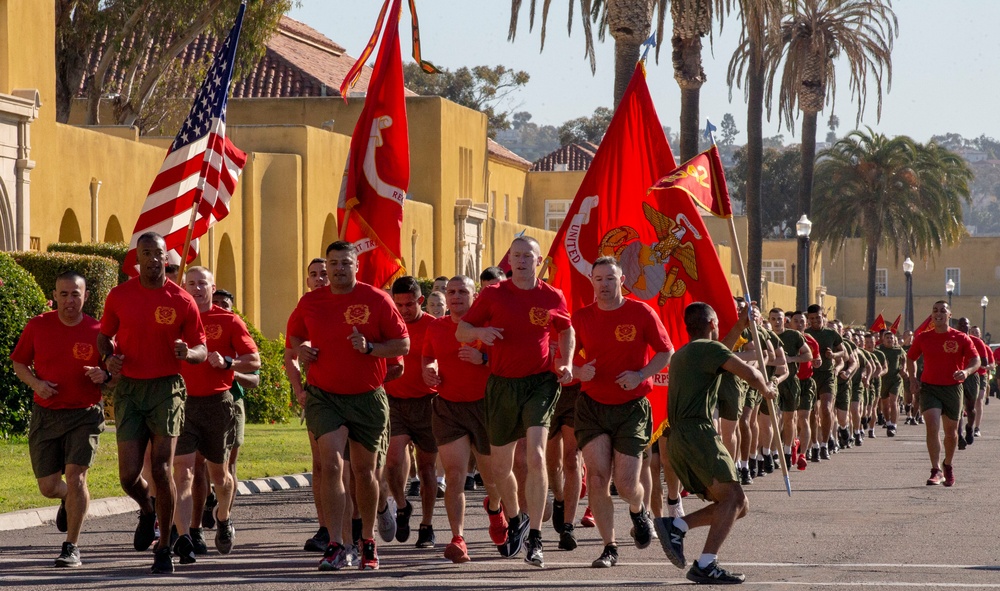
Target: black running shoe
671,539
403,522
768,465
788,460
198,539
745,478
425,536
414,490
567,539
208,515
69,557
319,541
714,574
814,455
961,442
517,531
184,549
145,532
891,431
533,551
225,535
642,528
163,564
62,522
608,558
824,453
614,489
970,436
470,484
857,440
479,480
752,466
558,515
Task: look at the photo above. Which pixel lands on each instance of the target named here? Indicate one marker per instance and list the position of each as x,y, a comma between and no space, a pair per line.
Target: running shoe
766,465
145,532
198,540
403,523
949,474
558,515
319,541
386,519
961,442
814,455
351,555
674,510
369,555
752,466
533,551
936,477
498,524
588,518
69,557
891,431
225,535
745,478
479,480
671,539
457,551
608,558
857,440
802,463
788,461
184,549
871,433
425,536
613,489
642,528
714,574
208,515
470,483
334,557
977,432
824,453
920,419
517,531
440,489
163,564
970,436
567,539
414,489
62,522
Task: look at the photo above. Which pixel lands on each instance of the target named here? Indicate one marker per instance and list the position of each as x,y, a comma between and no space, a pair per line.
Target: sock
534,534
440,479
767,451
815,446
673,501
788,449
471,474
492,512
680,524
706,559
642,509
355,529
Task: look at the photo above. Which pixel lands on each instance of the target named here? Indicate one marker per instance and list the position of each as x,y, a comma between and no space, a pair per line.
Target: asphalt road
864,519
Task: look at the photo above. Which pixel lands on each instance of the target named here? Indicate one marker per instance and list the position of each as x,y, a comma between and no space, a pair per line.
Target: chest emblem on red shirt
539,316
83,351
357,314
951,346
213,331
625,333
165,315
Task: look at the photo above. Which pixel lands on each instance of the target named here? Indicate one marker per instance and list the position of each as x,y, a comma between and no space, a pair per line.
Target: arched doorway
225,267
69,228
113,231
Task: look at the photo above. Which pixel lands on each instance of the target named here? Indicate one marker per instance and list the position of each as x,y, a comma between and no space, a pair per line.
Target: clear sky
945,74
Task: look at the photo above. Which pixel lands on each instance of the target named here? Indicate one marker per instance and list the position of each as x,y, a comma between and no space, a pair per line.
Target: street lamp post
984,302
803,228
908,272
949,288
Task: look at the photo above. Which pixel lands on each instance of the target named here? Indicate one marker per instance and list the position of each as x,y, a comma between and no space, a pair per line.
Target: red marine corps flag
878,325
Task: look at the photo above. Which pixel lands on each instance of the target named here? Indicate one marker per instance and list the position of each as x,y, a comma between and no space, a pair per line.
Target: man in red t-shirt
459,373
210,420
515,319
625,345
949,358
410,422
806,414
149,327
971,386
346,333
56,356
985,371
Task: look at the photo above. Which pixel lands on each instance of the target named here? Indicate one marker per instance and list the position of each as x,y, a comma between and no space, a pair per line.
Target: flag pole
187,239
741,269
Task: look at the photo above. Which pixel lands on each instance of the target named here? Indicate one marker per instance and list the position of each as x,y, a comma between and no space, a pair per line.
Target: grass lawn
269,450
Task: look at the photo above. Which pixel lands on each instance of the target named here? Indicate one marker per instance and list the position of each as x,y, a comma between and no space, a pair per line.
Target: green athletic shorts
209,427
789,392
144,408
698,457
365,415
857,391
412,417
629,425
514,404
807,394
826,382
891,387
946,398
61,436
565,412
451,421
240,414
843,399
970,390
732,396
752,398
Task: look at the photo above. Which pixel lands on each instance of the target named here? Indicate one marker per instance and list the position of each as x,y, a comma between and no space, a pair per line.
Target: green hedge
100,272
271,401
111,250
20,300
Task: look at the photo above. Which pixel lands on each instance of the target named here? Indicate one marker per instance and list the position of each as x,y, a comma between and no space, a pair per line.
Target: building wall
507,187
542,186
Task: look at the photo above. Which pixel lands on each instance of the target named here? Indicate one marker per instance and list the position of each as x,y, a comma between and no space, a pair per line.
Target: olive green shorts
629,425
412,417
826,382
807,394
732,394
61,436
515,404
970,390
843,399
946,398
698,457
144,408
365,415
209,427
240,414
891,387
565,412
752,398
788,394
857,391
451,421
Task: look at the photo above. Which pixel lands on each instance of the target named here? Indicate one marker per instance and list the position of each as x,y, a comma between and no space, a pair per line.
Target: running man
695,449
515,319
56,356
892,381
789,390
949,358
613,418
971,387
345,333
150,326
832,351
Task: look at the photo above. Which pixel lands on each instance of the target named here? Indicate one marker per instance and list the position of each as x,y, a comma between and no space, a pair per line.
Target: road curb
26,518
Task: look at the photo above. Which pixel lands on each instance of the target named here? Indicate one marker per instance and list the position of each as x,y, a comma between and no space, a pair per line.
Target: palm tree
892,193
814,33
759,40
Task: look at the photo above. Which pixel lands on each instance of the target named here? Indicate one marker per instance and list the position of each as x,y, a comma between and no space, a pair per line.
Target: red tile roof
503,154
576,156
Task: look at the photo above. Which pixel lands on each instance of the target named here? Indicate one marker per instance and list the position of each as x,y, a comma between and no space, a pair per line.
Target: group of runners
503,385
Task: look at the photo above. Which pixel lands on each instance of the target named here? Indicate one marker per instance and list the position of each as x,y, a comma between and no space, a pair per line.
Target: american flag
201,168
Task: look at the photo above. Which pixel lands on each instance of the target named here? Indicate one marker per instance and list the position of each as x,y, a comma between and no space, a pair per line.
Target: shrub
271,401
111,250
20,300
100,272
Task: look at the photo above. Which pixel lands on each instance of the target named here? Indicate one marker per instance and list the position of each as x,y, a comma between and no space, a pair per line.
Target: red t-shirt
411,384
944,354
226,335
58,354
990,360
806,369
291,320
146,322
619,340
327,320
461,381
527,317
984,354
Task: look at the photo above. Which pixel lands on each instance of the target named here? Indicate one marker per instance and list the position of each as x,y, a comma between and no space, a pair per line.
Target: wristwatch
369,347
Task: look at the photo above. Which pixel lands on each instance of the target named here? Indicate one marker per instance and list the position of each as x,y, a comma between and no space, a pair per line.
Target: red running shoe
369,556
498,523
949,474
936,477
457,551
588,518
802,463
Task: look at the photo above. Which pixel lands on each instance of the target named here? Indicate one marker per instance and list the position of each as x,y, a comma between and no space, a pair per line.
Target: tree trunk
808,161
755,158
628,22
871,259
626,56
689,76
689,123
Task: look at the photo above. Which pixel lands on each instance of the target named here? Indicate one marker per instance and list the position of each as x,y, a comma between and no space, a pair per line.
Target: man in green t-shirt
831,347
892,382
876,416
695,449
796,352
